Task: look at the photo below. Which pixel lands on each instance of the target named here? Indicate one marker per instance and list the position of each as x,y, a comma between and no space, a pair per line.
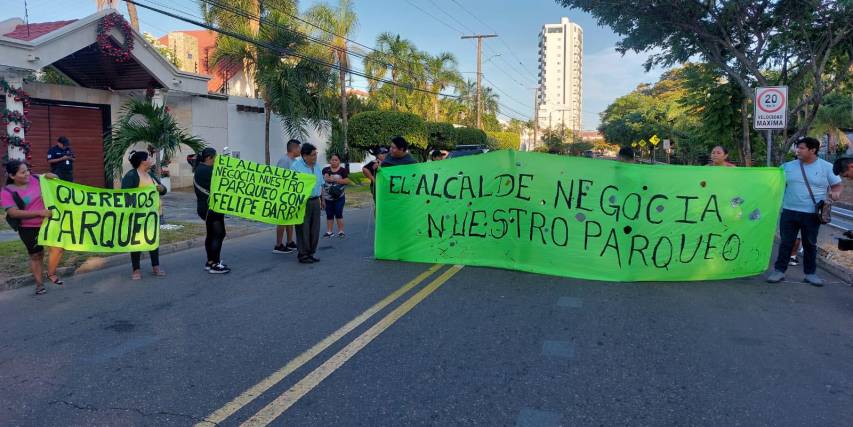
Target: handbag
823,209
15,223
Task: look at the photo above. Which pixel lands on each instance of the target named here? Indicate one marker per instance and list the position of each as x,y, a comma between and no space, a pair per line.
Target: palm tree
339,23
131,10
442,73
393,54
245,17
142,121
489,100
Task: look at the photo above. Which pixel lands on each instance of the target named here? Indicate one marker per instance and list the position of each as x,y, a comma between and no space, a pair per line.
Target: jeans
791,223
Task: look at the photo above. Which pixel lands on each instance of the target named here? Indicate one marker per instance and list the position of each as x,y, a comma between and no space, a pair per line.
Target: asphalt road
475,346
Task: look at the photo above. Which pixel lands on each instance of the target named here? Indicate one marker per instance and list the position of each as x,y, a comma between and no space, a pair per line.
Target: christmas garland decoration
16,117
109,47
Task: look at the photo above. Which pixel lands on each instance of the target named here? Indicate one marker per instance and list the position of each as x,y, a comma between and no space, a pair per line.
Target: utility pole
535,117
479,38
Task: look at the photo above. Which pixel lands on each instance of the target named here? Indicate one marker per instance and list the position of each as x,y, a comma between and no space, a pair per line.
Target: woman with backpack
138,177
336,179
21,198
213,221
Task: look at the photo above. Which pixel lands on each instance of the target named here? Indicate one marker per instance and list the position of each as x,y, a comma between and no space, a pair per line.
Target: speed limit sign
771,107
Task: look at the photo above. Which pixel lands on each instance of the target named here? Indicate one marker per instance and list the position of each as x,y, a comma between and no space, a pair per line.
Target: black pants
64,175
215,224
791,223
135,256
308,233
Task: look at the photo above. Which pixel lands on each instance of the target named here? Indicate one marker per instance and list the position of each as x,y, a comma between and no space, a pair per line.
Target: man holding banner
308,232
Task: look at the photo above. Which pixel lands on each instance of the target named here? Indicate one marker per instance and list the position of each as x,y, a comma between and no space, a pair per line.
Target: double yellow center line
287,399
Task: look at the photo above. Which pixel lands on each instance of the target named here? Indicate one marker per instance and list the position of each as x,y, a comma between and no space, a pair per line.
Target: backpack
15,223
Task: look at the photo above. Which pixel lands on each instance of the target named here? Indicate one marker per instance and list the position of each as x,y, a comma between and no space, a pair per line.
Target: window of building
555,30
189,55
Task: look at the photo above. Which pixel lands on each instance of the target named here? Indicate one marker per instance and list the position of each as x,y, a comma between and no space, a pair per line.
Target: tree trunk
267,131
746,148
394,90
342,76
435,107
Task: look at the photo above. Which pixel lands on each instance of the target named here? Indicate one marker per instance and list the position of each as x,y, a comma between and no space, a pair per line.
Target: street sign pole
769,147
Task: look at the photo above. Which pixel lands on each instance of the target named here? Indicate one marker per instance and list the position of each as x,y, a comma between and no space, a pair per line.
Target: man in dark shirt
61,159
399,153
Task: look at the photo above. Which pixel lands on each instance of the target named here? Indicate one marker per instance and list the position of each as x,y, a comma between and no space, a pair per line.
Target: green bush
504,140
372,129
441,136
471,136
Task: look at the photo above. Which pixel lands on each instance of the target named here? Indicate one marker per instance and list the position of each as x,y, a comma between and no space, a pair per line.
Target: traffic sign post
771,112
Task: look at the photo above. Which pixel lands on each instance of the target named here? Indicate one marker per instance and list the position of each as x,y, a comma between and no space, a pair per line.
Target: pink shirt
31,197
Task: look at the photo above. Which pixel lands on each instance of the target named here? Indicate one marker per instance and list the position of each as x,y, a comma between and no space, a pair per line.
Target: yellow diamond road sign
654,140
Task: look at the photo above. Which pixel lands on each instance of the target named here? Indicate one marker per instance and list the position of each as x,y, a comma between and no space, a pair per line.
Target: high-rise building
560,79
185,47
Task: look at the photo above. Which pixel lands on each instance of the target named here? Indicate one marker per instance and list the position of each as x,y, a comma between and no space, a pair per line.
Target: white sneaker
219,268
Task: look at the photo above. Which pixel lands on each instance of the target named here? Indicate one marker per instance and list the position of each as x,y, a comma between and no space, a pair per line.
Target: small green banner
95,219
259,192
575,217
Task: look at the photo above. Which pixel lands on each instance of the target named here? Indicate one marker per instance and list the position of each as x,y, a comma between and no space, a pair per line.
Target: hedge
471,136
376,128
441,136
504,140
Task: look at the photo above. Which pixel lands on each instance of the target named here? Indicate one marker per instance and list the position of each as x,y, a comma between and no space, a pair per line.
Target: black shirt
57,153
394,161
203,176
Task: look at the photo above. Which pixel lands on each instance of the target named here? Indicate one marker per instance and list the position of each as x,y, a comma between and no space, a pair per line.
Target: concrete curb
98,263
834,268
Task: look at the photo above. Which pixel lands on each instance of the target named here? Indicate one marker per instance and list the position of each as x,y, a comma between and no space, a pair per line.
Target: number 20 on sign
771,107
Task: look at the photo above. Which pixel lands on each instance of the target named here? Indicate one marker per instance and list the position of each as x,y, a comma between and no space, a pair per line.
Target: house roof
71,46
35,30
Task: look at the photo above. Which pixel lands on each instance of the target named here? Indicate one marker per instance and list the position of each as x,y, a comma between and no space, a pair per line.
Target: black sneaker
280,249
219,268
292,245
794,261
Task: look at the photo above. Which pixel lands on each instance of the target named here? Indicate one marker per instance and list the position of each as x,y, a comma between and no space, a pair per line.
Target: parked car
466,150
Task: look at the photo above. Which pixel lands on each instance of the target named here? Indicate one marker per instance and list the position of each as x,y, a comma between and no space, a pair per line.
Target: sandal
56,280
158,272
137,275
40,291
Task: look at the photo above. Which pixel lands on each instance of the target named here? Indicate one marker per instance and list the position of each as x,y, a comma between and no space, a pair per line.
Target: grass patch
14,260
3,224
358,178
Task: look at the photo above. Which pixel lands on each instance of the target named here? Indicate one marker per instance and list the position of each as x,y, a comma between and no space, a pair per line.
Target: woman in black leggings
214,221
138,177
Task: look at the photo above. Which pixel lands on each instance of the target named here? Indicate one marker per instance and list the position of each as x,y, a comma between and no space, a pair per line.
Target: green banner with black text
259,192
95,219
577,217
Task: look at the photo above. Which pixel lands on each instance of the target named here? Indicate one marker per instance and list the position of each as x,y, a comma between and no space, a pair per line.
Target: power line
505,93
281,50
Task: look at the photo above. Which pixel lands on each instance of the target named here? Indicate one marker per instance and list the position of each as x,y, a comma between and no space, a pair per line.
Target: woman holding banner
138,177
21,198
720,157
213,221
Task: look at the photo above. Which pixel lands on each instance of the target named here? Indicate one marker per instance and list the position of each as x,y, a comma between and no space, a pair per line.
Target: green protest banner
95,219
577,217
259,192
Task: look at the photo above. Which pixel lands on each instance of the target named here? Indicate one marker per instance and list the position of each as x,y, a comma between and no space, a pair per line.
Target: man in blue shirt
61,159
308,233
798,208
285,162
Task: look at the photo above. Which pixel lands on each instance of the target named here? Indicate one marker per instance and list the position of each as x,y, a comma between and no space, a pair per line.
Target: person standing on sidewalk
807,180
21,199
335,178
138,177
214,222
61,159
399,153
308,233
285,162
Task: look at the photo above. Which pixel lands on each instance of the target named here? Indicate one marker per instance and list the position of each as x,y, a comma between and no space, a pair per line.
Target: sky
436,26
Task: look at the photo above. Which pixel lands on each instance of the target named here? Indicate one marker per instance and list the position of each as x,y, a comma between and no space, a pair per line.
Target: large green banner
259,192
100,220
577,217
